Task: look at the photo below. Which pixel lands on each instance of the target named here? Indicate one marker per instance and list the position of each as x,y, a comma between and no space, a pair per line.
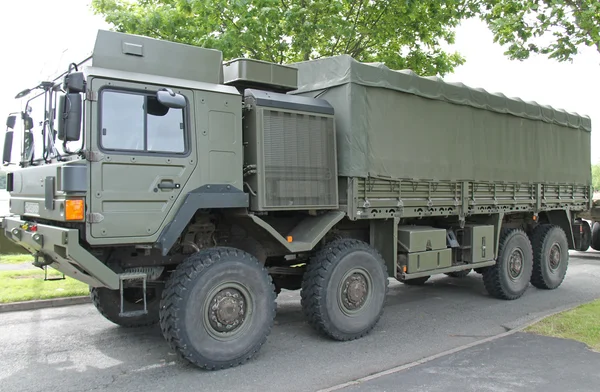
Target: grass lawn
581,323
15,259
29,285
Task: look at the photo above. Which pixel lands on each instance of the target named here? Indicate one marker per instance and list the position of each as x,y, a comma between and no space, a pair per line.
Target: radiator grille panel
299,160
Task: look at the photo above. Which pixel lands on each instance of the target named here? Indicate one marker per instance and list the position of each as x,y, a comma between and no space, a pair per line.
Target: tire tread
492,279
184,275
314,283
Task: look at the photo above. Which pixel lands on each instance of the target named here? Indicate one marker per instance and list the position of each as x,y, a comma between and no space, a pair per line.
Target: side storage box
421,238
477,243
427,261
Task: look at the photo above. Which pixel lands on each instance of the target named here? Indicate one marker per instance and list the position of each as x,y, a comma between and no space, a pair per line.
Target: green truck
188,191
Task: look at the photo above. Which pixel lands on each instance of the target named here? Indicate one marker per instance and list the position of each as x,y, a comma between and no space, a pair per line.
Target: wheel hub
515,265
554,257
227,310
354,291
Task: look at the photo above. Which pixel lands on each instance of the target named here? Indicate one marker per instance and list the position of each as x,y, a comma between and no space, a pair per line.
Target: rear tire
550,257
459,274
596,236
509,278
218,308
416,281
586,236
344,289
108,303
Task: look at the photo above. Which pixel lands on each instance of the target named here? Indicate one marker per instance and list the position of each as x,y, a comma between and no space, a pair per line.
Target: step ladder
51,278
129,276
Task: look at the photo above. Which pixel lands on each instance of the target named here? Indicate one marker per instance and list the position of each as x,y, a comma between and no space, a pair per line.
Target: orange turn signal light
74,209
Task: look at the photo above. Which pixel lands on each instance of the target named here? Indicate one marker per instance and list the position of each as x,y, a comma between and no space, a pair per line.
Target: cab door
141,157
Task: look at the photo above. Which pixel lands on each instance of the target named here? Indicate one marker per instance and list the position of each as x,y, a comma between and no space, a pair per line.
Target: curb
445,353
44,303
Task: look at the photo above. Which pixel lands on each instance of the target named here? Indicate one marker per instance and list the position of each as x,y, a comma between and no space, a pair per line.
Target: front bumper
62,247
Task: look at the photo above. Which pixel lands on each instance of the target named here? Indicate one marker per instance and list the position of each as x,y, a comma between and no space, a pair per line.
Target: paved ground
503,365
75,349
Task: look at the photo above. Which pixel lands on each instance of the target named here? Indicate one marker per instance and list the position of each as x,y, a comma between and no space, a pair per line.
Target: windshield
36,131
43,110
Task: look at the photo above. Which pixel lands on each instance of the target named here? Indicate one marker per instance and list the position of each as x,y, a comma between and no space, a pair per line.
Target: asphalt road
75,349
552,365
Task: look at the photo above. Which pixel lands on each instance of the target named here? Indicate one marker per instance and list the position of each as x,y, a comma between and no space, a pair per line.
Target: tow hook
41,260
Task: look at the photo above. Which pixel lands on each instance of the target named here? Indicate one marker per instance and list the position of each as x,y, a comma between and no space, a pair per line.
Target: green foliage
596,177
401,33
555,28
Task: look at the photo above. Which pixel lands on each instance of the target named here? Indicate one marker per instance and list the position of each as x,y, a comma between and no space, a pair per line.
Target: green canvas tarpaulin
400,125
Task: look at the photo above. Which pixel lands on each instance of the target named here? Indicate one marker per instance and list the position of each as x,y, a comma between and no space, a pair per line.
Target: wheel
550,257
480,270
459,274
344,289
416,281
218,308
596,236
509,278
586,236
108,303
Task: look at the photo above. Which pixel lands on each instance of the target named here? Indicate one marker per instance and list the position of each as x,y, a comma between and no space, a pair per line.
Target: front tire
344,289
218,308
509,278
550,257
108,304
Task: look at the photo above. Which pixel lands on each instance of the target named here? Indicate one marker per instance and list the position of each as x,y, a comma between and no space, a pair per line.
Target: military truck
589,226
188,191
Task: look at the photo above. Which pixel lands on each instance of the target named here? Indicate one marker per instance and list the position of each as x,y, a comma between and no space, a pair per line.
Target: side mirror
69,117
8,144
170,99
74,82
11,121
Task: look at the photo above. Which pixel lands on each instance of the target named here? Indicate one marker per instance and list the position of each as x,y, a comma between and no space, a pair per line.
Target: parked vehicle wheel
550,257
586,236
108,303
218,308
344,289
416,281
459,274
509,278
596,236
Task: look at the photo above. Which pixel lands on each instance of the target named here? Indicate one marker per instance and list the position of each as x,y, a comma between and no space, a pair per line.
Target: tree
596,177
555,28
400,33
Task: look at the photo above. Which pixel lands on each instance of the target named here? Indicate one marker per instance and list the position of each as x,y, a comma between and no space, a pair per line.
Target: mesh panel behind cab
299,160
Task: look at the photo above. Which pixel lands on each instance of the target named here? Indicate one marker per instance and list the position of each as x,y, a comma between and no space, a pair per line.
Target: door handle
168,185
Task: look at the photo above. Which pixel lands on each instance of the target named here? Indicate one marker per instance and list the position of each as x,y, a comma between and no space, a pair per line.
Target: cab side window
131,121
